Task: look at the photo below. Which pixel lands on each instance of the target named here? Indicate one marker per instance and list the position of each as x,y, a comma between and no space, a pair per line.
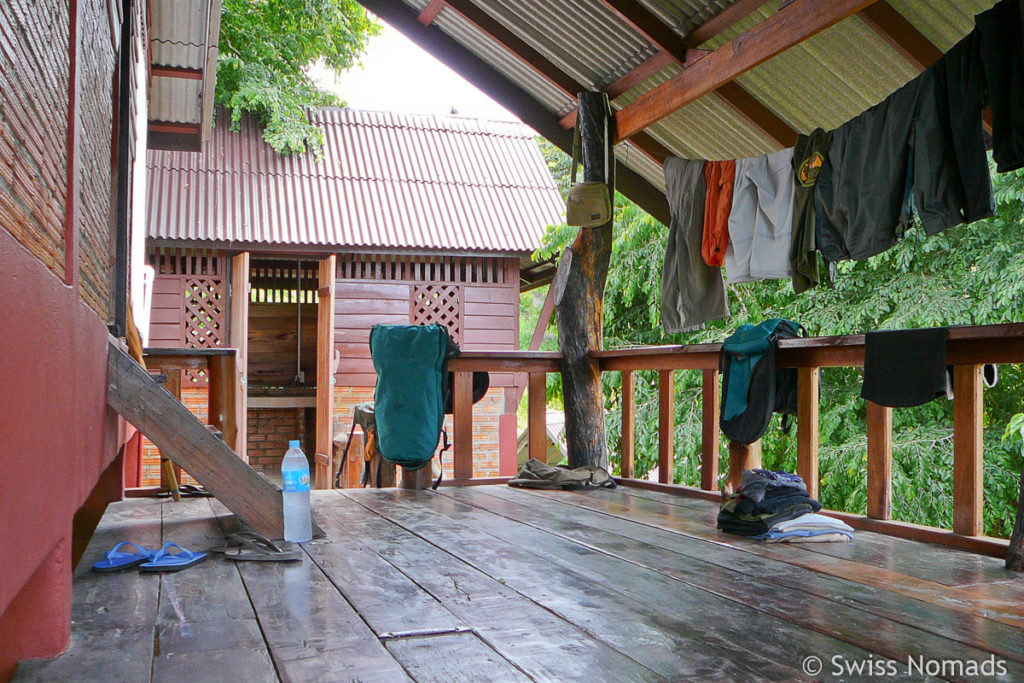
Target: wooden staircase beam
182,437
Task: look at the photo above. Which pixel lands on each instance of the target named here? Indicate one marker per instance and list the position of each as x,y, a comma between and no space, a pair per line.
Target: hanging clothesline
850,193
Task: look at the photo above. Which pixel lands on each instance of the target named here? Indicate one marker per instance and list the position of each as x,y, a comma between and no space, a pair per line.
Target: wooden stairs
183,438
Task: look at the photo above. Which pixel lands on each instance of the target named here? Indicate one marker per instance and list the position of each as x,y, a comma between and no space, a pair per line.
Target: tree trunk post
580,311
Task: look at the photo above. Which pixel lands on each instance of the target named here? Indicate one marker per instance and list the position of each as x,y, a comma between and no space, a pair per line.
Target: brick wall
33,126
269,430
194,397
485,427
96,237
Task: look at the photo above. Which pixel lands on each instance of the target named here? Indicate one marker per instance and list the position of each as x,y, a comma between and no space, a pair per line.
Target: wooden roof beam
894,29
162,71
683,51
430,12
542,65
789,26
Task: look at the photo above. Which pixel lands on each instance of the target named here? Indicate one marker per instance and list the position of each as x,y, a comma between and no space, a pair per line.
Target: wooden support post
221,395
170,473
580,312
666,426
537,417
710,397
968,487
462,418
628,440
807,428
879,461
325,374
742,456
238,333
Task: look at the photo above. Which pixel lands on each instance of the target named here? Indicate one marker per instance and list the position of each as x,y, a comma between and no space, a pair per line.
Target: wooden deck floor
490,583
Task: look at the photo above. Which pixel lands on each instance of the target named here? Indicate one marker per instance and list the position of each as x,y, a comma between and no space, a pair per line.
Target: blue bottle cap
294,443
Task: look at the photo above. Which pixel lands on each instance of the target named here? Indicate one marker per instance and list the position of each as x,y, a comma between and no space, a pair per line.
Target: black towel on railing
905,367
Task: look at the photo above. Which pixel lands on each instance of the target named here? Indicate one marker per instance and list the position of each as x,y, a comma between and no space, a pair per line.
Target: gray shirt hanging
692,292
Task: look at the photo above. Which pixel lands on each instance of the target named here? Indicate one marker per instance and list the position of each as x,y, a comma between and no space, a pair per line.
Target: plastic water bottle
295,482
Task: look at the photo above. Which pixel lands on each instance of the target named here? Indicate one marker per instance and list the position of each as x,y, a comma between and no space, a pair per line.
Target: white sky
399,76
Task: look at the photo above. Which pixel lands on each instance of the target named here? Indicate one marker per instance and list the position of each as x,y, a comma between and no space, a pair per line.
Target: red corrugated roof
385,180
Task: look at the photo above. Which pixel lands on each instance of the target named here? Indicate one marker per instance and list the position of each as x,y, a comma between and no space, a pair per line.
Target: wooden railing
967,349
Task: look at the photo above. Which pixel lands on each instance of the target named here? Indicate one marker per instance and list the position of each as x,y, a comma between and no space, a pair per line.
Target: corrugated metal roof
385,180
183,33
823,81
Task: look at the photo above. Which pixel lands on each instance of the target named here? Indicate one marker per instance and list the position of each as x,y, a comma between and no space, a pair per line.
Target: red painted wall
57,436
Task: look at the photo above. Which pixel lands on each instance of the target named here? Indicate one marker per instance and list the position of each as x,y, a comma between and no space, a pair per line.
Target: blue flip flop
166,561
114,560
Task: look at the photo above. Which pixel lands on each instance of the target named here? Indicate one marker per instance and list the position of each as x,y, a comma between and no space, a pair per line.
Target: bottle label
295,480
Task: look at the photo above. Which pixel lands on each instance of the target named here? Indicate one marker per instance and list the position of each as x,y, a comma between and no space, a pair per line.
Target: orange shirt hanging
718,203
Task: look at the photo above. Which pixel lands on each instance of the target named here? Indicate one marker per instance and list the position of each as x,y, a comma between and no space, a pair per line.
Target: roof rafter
540,64
510,95
789,26
163,71
681,50
894,29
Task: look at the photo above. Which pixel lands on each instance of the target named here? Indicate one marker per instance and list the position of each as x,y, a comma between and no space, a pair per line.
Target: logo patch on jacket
807,174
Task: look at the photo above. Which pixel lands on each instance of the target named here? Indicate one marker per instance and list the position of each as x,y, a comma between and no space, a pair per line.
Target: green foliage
265,46
969,275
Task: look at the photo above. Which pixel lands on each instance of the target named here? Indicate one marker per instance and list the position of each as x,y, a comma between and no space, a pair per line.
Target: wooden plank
710,398
628,440
325,374
537,416
808,390
666,426
182,437
898,569
968,450
879,461
742,456
789,26
600,521
546,309
462,425
475,660
206,621
238,335
535,639
311,630
361,290
654,619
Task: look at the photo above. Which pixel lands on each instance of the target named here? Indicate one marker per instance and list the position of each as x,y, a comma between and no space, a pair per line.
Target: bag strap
575,153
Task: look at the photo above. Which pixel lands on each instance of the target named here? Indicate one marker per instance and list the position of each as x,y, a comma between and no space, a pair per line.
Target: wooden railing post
666,426
324,475
462,425
742,456
879,461
537,416
709,436
968,487
807,428
628,423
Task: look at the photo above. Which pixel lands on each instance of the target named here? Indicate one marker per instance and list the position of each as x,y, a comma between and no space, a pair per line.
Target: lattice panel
480,270
441,304
203,319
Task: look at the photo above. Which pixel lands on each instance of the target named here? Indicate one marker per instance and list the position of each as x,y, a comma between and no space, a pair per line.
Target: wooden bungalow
478,581
405,219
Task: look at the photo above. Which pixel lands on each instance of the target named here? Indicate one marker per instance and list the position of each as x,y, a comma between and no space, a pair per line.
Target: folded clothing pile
809,528
775,506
